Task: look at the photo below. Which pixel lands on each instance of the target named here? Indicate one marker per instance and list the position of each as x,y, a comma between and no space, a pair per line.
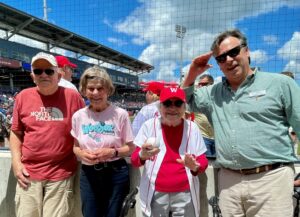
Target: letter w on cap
173,90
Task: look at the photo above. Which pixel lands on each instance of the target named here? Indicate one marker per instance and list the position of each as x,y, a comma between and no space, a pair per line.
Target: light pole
180,30
45,9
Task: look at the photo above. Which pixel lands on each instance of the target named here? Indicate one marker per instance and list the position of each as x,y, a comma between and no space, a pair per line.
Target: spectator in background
41,144
290,74
202,121
151,109
169,184
3,132
250,112
66,68
8,124
103,138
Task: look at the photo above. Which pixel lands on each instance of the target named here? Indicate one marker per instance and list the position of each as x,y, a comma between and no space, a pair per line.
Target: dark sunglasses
40,71
232,53
176,103
204,83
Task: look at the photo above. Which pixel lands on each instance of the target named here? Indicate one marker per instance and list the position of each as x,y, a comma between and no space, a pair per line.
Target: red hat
172,92
155,87
64,61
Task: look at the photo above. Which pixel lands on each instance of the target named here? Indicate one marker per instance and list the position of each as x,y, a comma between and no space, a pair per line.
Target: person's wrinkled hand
104,154
88,156
190,162
148,151
21,175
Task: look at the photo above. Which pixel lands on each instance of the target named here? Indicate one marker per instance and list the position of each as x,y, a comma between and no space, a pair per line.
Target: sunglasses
232,53
176,103
204,84
40,71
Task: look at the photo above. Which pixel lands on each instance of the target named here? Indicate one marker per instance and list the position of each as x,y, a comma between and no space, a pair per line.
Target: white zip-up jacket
192,143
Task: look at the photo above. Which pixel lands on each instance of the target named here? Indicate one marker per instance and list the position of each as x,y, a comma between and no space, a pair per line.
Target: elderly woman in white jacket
172,151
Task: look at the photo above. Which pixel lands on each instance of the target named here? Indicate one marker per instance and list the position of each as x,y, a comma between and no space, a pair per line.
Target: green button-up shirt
251,124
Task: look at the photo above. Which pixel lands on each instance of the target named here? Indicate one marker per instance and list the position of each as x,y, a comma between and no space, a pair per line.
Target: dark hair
209,78
229,33
287,73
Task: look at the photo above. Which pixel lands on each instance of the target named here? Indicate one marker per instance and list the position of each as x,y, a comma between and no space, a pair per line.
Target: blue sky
145,29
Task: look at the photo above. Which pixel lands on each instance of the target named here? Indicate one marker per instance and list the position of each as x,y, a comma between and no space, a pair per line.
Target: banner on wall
9,63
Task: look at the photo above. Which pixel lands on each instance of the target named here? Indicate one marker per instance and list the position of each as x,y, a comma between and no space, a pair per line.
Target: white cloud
185,69
259,56
107,22
293,66
118,42
166,71
153,24
138,41
291,51
270,39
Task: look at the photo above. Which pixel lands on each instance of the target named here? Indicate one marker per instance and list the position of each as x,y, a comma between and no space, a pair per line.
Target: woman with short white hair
172,151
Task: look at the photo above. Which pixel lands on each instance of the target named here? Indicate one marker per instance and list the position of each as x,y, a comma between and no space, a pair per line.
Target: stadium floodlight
45,9
180,30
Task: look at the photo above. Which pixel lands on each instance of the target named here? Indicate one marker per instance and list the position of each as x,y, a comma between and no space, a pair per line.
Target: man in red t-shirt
41,144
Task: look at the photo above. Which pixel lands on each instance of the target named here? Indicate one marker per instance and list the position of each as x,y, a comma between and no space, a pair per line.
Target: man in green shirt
251,112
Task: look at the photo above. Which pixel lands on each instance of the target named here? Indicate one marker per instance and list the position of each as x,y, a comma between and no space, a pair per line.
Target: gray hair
96,72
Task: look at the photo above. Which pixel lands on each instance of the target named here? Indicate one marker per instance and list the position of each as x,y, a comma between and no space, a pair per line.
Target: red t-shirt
47,148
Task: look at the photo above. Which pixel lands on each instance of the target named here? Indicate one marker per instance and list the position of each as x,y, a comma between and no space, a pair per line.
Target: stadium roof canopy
17,22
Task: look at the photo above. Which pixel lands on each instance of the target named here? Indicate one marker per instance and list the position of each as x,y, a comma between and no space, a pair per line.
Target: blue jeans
210,146
103,188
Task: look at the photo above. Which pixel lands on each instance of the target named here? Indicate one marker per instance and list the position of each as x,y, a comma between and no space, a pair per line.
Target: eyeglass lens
169,103
40,71
203,83
232,53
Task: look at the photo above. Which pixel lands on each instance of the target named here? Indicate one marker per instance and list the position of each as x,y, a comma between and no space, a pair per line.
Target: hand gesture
147,151
88,156
104,154
197,67
189,161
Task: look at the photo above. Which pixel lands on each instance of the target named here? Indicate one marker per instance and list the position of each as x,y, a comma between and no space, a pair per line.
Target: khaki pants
257,195
45,199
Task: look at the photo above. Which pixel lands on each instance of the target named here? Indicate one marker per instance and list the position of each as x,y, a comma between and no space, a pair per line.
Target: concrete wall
8,182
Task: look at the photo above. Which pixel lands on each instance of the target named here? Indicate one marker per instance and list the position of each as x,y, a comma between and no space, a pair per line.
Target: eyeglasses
232,53
176,103
204,84
40,71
